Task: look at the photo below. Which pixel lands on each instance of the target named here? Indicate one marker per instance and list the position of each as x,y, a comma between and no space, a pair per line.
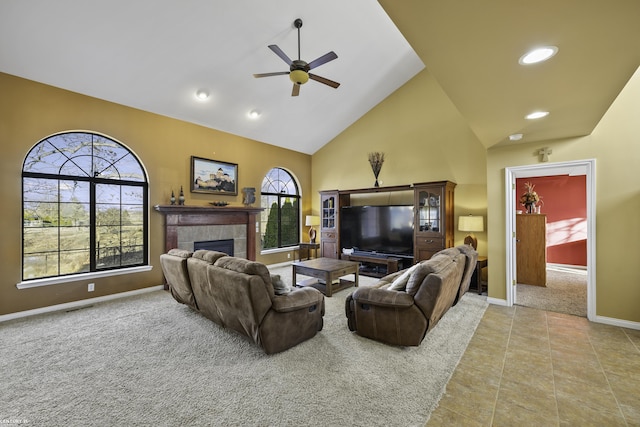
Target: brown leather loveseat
239,294
402,307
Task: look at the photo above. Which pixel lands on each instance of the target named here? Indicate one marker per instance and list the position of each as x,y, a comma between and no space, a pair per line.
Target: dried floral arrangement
529,198
376,160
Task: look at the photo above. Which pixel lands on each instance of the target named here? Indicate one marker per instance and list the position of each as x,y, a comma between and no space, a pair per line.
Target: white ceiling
154,55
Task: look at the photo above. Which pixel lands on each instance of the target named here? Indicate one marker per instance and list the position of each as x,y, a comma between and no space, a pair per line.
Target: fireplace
225,246
187,225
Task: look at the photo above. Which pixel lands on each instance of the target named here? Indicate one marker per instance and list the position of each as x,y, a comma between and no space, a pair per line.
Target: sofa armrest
382,297
297,299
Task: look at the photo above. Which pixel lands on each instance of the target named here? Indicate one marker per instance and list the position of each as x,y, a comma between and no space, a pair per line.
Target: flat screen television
384,230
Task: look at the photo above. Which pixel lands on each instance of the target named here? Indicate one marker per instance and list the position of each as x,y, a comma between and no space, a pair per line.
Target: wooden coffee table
327,269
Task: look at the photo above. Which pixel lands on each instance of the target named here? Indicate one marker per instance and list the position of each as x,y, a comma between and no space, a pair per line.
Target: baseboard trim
567,266
617,322
599,319
76,304
497,301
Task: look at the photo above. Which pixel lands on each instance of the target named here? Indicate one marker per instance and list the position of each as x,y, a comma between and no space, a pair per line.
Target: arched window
84,204
280,225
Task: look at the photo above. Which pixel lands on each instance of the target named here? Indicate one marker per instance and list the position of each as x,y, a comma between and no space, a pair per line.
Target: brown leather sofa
239,294
402,307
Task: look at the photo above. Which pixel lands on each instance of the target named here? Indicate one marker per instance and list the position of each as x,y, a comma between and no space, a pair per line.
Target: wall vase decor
181,197
376,160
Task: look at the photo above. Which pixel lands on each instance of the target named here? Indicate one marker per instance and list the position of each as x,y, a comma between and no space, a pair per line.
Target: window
84,204
280,224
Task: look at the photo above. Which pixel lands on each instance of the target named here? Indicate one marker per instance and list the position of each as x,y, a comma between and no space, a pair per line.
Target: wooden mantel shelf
177,216
177,209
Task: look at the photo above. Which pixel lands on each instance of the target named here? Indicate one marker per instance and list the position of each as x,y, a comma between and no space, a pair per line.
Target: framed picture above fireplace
213,176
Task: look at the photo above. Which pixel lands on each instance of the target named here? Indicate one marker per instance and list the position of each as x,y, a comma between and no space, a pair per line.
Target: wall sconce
471,223
310,221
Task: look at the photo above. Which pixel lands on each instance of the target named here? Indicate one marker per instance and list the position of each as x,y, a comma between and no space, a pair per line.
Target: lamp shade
471,223
312,220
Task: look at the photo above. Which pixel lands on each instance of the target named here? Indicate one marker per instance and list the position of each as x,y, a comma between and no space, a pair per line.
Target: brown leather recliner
402,307
239,294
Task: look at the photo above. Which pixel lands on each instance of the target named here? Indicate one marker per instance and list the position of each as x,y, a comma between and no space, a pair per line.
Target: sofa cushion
433,265
208,256
182,253
400,282
279,286
245,266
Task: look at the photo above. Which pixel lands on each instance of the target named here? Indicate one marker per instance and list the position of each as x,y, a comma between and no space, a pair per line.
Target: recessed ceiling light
254,114
202,94
515,137
537,115
538,55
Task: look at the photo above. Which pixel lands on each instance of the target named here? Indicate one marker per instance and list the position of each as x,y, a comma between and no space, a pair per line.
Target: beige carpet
149,361
566,292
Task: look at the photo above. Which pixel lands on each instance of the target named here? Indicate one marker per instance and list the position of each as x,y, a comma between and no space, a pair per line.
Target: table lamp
471,223
310,221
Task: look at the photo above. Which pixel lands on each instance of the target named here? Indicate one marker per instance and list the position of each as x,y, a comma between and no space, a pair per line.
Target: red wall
564,201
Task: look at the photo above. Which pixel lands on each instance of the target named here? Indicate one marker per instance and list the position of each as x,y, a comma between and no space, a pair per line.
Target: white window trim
80,277
279,250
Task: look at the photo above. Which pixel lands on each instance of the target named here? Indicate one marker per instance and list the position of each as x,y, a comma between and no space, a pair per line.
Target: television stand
381,265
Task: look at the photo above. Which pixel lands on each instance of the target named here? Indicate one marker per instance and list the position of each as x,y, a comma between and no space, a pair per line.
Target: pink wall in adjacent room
564,201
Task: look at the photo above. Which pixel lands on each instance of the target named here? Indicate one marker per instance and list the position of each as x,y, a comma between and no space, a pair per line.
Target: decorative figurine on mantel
181,197
249,195
173,198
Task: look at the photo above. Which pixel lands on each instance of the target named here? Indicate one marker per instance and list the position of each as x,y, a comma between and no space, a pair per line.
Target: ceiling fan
299,69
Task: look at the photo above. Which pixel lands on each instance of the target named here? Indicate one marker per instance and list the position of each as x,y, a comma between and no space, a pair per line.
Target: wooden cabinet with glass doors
330,202
434,221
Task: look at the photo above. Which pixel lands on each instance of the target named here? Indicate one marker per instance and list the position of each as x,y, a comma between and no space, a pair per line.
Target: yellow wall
424,138
614,145
31,111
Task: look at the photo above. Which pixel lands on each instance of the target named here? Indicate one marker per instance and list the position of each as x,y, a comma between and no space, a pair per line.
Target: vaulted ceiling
154,55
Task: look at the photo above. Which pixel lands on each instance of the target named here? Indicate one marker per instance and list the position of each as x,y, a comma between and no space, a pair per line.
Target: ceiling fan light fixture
538,55
299,76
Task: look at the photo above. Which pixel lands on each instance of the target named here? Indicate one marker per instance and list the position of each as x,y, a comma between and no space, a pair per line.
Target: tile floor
530,367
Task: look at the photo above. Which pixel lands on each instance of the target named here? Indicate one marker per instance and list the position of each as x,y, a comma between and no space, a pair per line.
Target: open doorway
584,168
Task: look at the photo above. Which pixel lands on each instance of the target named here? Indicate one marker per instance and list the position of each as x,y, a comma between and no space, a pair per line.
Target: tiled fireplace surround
200,233
185,225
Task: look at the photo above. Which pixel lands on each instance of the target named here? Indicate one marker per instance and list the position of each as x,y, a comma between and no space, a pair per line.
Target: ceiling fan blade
279,73
324,80
296,90
280,53
322,60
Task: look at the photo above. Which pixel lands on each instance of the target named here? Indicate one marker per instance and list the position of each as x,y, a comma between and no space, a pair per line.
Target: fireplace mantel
177,216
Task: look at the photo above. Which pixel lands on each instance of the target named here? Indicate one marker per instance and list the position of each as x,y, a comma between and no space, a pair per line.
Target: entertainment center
363,225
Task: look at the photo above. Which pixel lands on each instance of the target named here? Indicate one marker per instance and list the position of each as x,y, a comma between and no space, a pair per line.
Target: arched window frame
94,190
279,186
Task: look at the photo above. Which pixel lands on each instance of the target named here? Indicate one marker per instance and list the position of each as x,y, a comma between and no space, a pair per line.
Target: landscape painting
213,177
